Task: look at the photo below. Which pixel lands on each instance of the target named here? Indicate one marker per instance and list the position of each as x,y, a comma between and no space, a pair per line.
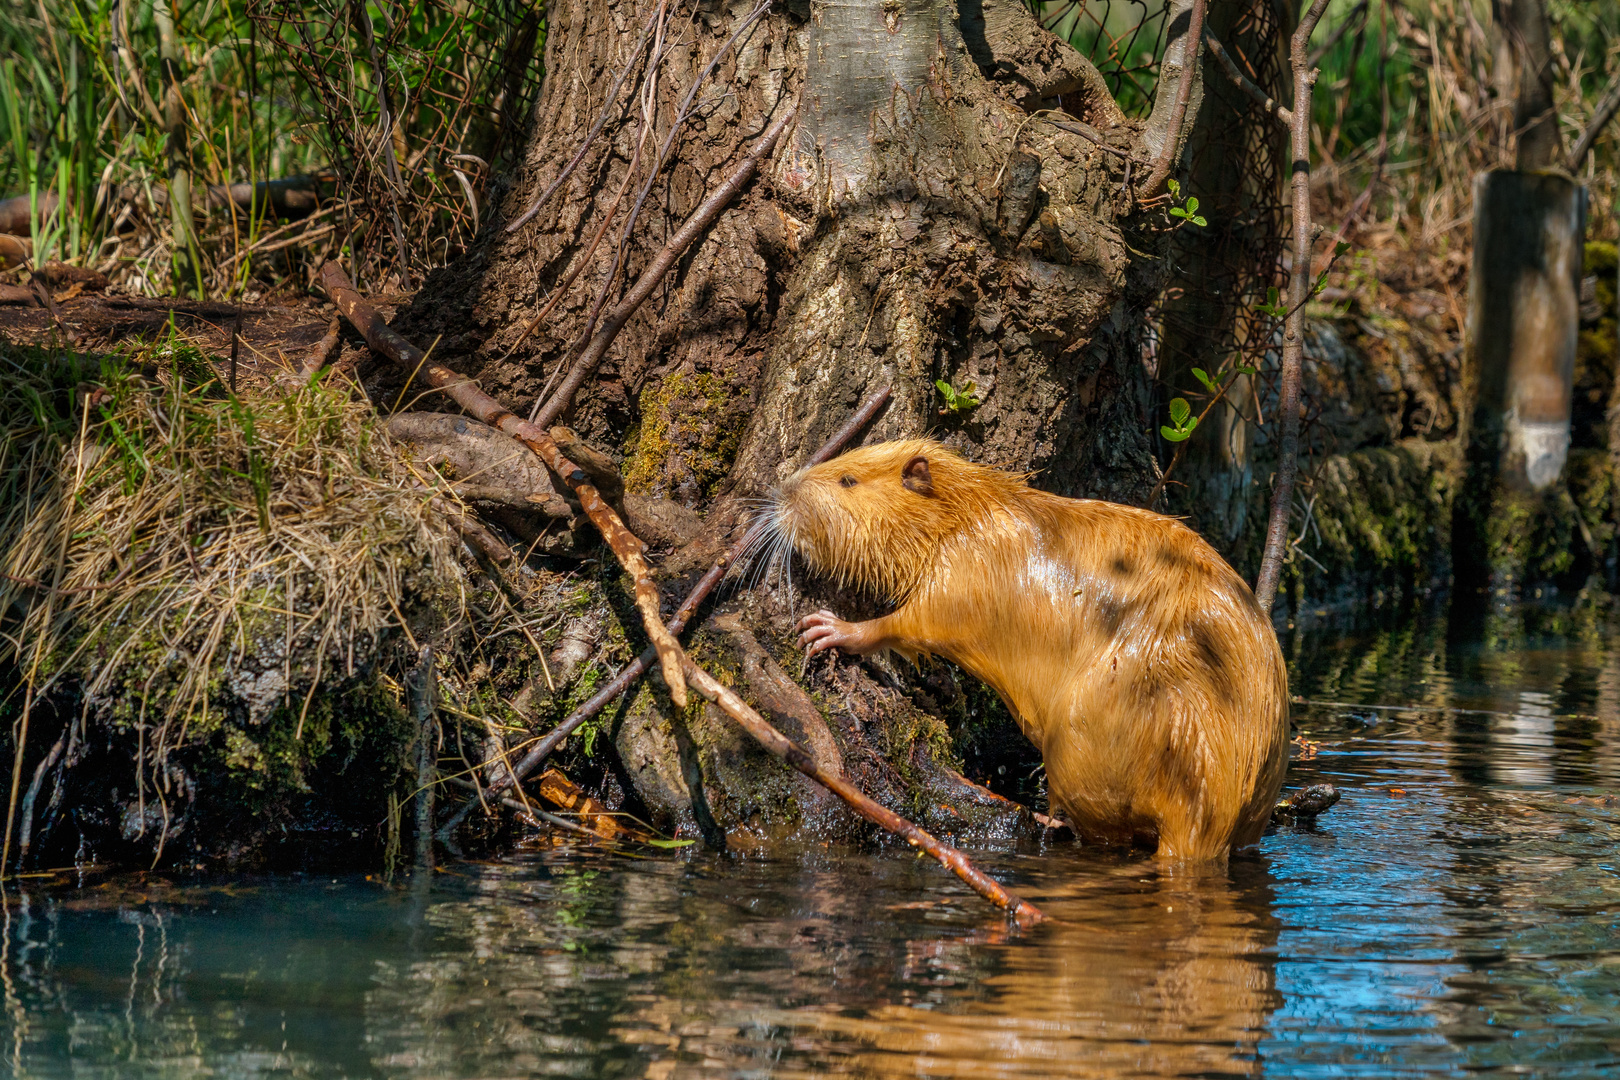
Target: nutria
1135,659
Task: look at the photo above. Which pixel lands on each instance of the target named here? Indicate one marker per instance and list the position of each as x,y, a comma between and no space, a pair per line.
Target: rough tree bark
924,219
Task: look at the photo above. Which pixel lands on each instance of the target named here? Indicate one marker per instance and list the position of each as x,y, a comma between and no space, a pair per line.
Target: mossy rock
1380,518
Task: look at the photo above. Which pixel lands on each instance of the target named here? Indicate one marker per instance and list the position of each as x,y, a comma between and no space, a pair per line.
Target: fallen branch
320,354
1025,913
627,677
626,547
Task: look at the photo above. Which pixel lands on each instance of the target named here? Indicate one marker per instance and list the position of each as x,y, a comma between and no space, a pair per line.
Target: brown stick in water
626,547
1025,913
627,677
1299,291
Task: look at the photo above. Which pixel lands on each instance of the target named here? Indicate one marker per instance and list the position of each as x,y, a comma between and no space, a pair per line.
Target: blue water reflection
1455,915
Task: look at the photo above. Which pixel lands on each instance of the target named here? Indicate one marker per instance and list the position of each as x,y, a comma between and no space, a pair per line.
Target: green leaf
1179,411
1192,204
1245,369
1203,376
958,400
1176,211
1172,435
670,843
1340,248
1175,189
1199,221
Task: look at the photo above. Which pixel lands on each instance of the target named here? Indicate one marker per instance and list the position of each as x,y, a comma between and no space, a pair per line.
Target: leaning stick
626,547
1025,913
671,253
1299,291
638,667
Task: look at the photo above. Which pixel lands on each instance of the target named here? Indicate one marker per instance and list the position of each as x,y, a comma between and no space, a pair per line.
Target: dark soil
277,334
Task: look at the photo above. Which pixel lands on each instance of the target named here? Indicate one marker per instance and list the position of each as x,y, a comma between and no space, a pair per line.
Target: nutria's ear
916,478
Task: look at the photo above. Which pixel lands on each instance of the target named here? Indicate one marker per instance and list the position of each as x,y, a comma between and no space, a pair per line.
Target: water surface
1455,915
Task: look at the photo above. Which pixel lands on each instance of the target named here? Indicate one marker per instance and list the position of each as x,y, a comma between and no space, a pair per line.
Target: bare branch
579,155
1600,120
1025,913
1235,73
694,227
1299,145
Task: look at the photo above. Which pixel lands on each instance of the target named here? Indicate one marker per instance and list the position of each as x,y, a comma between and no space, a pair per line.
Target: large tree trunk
917,223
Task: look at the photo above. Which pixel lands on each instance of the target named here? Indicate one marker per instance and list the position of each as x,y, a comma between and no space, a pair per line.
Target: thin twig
421,682
1600,119
1175,459
1299,139
626,547
661,264
1233,72
601,121
1338,34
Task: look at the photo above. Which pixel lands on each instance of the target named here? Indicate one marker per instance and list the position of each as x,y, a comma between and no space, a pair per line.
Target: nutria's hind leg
1185,839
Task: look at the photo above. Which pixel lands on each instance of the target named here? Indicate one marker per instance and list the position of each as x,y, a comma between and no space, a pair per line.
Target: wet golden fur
1132,655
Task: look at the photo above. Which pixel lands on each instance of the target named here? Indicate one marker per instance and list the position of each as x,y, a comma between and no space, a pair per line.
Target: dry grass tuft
198,566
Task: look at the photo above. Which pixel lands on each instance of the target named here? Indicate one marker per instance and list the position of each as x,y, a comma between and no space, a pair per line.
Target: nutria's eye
847,481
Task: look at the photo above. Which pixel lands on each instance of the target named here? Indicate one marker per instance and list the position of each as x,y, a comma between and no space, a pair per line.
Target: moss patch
687,438
1380,518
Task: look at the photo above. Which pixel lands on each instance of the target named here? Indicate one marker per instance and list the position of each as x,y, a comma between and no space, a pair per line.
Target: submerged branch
1025,913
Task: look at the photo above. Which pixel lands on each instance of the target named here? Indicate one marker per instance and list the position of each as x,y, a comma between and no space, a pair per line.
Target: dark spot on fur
1124,567
1112,611
1172,560
1205,641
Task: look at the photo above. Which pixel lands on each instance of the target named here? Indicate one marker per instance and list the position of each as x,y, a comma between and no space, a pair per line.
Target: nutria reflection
1173,975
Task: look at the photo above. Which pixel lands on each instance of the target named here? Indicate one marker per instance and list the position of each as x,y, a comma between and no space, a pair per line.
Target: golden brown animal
1132,655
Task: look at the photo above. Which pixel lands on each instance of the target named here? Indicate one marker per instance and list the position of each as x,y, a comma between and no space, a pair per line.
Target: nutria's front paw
824,630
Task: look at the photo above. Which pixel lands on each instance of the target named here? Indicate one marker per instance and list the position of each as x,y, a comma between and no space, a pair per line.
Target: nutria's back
1132,655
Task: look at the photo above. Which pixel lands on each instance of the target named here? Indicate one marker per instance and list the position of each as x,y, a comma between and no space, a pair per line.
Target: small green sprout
957,401
1182,419
1188,210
